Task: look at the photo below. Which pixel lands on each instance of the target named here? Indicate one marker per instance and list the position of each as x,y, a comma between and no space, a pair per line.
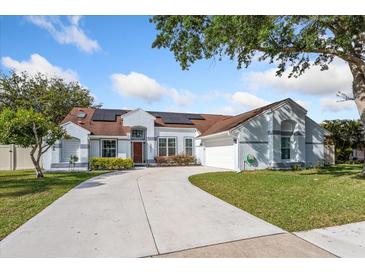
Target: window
109,148
162,148
188,144
167,146
285,148
171,147
137,134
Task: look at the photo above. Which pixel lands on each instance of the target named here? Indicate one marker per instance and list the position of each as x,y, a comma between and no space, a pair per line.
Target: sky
112,56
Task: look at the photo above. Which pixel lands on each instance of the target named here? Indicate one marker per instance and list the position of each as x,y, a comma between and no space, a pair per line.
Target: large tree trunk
36,160
358,88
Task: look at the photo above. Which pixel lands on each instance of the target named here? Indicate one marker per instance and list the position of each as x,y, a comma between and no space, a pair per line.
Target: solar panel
108,115
167,117
177,118
193,116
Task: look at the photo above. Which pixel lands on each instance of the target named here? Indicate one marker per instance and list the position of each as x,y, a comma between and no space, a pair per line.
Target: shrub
110,163
296,167
183,160
177,160
161,160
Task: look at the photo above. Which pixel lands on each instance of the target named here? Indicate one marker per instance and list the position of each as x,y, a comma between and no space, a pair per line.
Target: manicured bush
177,160
161,160
110,163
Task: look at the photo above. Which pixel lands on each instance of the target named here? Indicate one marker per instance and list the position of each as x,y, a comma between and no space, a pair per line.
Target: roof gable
72,124
135,111
234,121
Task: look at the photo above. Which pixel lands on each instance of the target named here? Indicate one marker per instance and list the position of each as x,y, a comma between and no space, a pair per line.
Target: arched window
138,133
287,129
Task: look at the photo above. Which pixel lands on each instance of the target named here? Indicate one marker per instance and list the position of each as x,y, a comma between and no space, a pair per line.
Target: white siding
254,140
199,151
315,153
56,154
291,112
94,148
124,149
314,139
179,133
220,153
82,134
258,151
141,118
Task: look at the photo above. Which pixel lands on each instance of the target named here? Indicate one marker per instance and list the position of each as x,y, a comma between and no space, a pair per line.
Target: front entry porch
138,152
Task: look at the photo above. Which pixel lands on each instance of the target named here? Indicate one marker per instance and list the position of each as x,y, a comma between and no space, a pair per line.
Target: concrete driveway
136,213
343,240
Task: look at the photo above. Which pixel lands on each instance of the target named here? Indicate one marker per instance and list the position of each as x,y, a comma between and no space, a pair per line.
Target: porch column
150,149
270,138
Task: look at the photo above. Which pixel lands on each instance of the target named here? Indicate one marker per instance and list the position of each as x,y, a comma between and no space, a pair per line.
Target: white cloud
331,105
138,85
302,103
148,89
182,98
249,100
312,82
240,102
37,64
66,33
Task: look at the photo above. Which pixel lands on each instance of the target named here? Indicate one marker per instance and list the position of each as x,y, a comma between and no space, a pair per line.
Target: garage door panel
220,156
70,147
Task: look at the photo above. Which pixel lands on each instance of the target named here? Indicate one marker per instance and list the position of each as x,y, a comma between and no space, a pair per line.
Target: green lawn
22,195
293,200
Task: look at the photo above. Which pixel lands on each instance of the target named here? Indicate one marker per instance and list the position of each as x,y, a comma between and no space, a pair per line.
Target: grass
293,200
22,195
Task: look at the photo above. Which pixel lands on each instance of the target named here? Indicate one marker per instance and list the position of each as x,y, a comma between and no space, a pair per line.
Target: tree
27,128
346,136
295,43
50,96
44,102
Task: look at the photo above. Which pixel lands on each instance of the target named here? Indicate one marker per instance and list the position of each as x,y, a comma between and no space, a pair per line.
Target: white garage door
219,156
70,147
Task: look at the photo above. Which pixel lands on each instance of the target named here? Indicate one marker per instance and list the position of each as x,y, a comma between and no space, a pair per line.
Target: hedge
110,163
177,160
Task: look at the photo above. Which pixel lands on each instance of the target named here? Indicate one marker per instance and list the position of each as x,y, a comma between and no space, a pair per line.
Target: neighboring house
274,136
358,154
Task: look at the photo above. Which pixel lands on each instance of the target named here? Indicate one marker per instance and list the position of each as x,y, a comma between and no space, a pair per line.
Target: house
357,154
277,135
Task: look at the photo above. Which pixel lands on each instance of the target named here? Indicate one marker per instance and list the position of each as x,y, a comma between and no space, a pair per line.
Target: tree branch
346,57
48,147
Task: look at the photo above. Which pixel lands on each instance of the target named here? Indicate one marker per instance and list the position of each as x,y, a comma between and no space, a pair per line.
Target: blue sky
112,56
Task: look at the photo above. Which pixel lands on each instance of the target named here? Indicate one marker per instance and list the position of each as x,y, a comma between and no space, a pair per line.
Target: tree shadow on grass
337,171
26,186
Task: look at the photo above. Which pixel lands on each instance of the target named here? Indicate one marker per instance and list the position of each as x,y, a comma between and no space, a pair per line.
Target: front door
137,152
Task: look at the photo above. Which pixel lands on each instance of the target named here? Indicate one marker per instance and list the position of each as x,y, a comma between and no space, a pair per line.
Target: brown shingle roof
231,122
115,128
210,125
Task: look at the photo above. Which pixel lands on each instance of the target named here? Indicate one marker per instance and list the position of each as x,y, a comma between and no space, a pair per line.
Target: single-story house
277,135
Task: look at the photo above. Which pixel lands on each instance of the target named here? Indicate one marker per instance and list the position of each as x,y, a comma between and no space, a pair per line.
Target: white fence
13,157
